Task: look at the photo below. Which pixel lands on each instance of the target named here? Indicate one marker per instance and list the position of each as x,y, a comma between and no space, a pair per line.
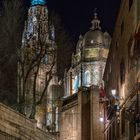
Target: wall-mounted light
101,119
113,92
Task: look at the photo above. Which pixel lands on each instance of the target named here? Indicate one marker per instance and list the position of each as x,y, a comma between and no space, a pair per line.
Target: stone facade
82,84
122,75
89,61
69,120
37,69
80,116
14,126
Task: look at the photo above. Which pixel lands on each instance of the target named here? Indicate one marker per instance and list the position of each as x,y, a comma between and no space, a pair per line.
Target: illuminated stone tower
39,37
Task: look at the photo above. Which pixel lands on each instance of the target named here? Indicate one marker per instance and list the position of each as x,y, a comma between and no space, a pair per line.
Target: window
131,47
130,4
96,75
117,45
75,86
137,47
87,78
134,50
122,71
79,79
88,43
110,68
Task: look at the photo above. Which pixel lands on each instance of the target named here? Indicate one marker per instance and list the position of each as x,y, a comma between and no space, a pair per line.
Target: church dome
95,36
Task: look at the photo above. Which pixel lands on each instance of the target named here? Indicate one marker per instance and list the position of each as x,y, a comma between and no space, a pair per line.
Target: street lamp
101,119
113,92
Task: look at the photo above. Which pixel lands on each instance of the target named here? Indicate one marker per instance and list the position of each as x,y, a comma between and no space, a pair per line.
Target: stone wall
14,126
69,121
97,127
122,71
79,119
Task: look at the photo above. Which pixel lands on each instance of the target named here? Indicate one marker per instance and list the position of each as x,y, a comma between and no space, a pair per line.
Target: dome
94,37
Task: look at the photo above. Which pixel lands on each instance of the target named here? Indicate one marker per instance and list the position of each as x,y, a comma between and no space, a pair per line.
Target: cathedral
38,68
79,114
82,115
89,61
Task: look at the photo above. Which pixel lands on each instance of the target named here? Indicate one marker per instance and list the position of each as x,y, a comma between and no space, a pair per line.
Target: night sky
77,14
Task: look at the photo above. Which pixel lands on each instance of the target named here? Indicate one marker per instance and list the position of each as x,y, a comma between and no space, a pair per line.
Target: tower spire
38,2
95,22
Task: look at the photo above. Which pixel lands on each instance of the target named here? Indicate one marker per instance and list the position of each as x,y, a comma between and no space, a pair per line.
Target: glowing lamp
113,92
101,119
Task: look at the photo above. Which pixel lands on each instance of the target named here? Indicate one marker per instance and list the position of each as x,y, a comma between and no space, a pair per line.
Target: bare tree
11,25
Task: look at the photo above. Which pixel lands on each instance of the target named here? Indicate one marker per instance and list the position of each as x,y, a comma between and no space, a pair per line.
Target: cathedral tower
38,55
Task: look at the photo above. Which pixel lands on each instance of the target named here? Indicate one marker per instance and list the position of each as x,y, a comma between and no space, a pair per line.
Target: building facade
81,113
38,67
122,76
89,61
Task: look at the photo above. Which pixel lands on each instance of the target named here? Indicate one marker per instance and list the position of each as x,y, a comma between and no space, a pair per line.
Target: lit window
75,86
87,78
96,75
79,80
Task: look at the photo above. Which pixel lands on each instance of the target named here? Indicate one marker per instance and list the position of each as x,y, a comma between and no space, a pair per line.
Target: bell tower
39,52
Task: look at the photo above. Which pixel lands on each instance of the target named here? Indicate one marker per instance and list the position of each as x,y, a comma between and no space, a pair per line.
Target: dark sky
77,14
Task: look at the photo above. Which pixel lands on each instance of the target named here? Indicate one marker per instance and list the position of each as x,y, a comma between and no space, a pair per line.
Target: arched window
75,86
79,79
87,78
